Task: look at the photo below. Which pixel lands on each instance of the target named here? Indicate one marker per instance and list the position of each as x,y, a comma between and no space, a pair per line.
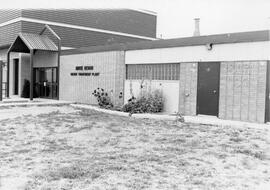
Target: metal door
46,83
208,88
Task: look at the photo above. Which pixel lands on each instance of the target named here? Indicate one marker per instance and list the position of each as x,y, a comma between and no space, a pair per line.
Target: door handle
214,91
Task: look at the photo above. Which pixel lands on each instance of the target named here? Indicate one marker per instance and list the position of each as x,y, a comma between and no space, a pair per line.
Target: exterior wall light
209,46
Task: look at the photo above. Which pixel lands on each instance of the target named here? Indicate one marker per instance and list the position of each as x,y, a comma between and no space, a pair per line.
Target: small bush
179,117
147,103
26,89
104,101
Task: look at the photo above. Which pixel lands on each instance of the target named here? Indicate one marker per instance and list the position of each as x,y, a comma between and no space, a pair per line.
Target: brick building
31,59
224,75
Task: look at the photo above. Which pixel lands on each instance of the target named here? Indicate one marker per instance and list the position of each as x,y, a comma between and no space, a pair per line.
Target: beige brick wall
188,88
111,67
242,90
119,77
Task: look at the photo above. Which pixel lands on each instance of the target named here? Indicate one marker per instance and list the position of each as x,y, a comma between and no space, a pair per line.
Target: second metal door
208,88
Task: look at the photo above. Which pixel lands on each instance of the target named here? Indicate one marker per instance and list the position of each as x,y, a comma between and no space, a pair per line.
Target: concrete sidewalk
200,119
26,102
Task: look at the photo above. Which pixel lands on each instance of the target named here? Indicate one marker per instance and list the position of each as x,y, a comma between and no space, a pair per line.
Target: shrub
26,89
146,103
104,101
155,102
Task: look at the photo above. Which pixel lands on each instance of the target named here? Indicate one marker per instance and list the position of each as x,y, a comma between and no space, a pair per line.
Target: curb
188,119
221,122
125,114
154,116
21,104
100,109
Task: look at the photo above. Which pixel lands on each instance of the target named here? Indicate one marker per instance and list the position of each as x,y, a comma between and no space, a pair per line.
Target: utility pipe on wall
1,85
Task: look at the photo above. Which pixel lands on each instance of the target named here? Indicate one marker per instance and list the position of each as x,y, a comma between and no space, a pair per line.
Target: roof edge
227,38
145,11
5,46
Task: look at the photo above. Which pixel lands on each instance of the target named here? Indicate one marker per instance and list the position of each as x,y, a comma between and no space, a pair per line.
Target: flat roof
239,37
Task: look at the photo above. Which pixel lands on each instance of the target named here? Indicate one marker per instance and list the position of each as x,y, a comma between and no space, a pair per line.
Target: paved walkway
26,102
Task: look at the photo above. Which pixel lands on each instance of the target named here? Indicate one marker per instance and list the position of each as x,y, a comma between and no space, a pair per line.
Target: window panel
174,72
135,72
169,71
165,72
145,71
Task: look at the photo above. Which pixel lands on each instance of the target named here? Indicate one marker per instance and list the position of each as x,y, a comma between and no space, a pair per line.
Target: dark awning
27,41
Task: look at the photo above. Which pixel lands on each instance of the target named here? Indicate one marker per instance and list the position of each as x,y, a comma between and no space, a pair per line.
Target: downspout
1,84
8,63
31,74
58,69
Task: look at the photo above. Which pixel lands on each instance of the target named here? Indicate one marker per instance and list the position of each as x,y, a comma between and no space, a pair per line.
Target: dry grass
82,149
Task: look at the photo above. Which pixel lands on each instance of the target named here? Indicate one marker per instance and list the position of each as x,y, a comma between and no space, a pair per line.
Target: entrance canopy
27,41
30,43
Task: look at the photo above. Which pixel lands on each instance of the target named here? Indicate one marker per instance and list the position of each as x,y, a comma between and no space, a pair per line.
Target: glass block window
167,71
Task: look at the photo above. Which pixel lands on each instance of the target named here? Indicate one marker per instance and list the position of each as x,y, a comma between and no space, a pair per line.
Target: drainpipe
1,84
8,68
58,69
31,74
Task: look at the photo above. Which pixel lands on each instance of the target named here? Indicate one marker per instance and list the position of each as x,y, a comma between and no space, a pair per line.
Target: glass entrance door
45,82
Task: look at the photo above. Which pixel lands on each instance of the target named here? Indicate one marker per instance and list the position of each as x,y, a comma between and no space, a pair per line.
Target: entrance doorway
208,88
16,76
45,82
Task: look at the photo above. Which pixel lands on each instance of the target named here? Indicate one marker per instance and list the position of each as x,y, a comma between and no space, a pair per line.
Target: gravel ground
62,148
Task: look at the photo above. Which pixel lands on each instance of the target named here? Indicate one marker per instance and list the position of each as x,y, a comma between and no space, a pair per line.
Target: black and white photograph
135,95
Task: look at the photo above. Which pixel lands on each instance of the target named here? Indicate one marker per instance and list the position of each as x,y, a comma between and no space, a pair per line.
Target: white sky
175,17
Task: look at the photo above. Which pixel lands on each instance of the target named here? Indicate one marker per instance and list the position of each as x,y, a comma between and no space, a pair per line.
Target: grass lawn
62,148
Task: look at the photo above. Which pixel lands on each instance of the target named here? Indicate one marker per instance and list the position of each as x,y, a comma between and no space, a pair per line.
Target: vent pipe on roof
197,27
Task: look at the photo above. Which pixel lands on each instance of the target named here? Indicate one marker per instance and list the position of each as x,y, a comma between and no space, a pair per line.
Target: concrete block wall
119,78
188,88
242,90
111,67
